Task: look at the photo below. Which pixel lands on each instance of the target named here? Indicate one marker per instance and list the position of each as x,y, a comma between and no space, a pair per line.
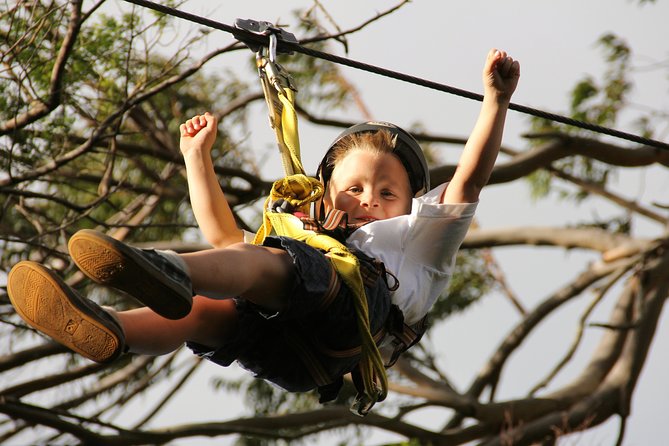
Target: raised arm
500,77
211,208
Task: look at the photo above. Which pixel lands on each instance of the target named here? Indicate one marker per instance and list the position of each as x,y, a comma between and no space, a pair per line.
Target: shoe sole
109,262
50,306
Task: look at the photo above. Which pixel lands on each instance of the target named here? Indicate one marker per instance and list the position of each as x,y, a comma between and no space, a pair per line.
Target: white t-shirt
418,248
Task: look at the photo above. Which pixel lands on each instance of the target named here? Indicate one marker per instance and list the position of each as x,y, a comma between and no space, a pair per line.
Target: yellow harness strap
300,191
279,91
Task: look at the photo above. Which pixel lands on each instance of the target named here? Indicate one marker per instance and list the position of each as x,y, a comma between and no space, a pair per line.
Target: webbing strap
290,133
279,91
300,191
296,190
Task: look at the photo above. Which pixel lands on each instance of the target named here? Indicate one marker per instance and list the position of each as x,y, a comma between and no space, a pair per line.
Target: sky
447,42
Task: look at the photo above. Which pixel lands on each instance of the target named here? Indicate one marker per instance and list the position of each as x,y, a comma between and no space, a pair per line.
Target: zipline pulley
268,29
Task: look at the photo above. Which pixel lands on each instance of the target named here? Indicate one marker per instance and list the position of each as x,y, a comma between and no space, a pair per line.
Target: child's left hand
500,75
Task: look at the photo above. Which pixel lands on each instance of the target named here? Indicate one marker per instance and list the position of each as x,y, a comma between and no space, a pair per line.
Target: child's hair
381,137
381,141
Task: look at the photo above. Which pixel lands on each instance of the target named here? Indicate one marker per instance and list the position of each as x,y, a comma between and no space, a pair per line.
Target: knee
207,311
214,320
263,258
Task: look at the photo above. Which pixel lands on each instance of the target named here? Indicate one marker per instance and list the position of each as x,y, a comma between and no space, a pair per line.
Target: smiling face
369,185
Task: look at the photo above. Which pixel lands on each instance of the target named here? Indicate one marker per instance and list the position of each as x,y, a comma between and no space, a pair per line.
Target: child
286,293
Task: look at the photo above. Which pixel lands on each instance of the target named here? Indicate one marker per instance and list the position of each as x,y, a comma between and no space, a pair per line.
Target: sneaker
50,306
145,274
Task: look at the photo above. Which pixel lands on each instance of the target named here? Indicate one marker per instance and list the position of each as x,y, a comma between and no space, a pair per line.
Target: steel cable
282,46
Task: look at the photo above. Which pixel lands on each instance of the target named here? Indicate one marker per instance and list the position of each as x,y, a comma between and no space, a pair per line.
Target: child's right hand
198,133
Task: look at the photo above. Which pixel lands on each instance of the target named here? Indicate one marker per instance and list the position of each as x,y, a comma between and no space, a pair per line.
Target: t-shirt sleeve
436,233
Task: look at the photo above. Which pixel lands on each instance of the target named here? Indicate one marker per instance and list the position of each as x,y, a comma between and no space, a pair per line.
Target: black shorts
315,340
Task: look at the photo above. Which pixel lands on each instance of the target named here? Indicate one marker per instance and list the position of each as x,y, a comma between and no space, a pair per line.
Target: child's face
369,186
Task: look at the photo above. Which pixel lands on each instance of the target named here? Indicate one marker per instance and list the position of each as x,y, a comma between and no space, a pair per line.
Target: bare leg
260,274
210,323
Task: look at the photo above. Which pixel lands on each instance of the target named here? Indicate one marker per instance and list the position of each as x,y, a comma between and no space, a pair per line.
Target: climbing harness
296,192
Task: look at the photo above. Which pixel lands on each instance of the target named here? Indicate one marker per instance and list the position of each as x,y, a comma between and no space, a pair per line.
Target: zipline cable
284,46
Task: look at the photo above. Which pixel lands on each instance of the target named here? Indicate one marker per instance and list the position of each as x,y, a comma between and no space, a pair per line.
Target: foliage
89,107
595,102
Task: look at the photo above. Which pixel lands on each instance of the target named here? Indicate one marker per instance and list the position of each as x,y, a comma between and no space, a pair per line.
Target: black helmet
407,150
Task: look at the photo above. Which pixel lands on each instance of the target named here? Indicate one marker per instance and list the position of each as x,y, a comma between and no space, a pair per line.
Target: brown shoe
145,274
49,305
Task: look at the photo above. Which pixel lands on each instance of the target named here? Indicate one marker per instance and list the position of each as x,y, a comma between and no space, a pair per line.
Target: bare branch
492,369
585,238
590,187
195,365
581,329
18,359
558,148
47,417
357,28
614,392
117,378
36,385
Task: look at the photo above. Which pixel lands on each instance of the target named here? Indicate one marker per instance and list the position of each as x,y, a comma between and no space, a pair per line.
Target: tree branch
558,148
585,238
38,384
491,371
23,357
41,108
579,332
